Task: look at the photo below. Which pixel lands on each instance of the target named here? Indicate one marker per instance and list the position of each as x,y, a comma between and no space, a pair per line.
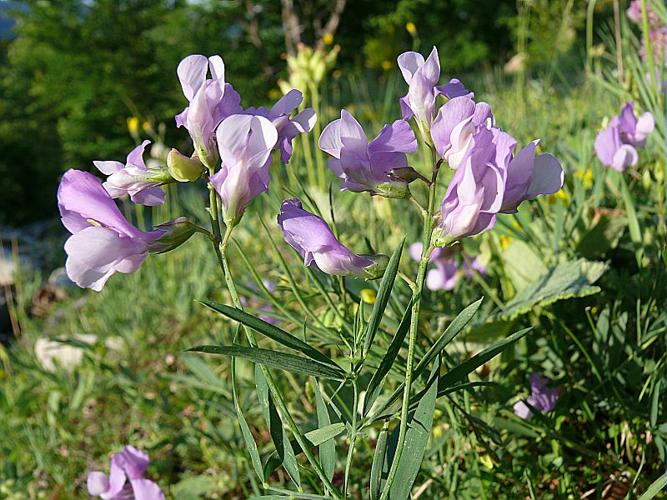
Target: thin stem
281,406
427,248
353,438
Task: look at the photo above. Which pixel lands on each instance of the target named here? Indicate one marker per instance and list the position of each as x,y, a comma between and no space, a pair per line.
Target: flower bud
175,233
182,168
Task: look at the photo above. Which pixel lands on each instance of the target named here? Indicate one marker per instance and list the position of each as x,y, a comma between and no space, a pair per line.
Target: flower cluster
616,146
657,30
542,398
126,478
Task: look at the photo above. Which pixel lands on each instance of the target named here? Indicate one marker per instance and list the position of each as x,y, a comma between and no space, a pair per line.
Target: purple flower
542,398
422,77
126,478
211,100
634,13
475,194
616,145
134,179
310,235
103,241
454,126
445,275
365,166
245,143
473,265
529,176
288,128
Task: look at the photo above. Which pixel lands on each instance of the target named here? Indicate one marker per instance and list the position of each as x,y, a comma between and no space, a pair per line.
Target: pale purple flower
475,193
245,143
422,77
364,166
103,242
529,176
634,13
454,126
445,274
313,239
211,100
616,145
473,265
542,398
288,127
134,179
126,478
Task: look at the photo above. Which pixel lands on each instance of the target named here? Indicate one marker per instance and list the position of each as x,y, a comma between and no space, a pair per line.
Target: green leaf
461,371
327,450
521,264
249,439
420,423
565,281
383,296
274,359
603,236
278,433
374,386
378,465
655,488
195,487
271,331
655,404
325,434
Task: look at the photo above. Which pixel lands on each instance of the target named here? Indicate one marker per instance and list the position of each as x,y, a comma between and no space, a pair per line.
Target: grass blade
327,450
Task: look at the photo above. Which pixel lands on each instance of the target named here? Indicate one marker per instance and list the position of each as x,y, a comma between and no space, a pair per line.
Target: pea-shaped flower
542,397
134,179
310,235
103,242
245,143
375,167
126,478
616,146
211,100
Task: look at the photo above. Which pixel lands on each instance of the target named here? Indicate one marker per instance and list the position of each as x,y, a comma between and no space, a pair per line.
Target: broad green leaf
325,434
271,331
378,465
655,488
278,433
274,359
327,450
461,371
522,264
383,294
374,386
603,236
420,423
565,281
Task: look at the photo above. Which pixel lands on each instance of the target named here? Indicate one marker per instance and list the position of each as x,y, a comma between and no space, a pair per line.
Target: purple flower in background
211,100
365,166
454,126
288,128
616,145
473,265
310,235
134,179
103,242
445,275
475,194
245,143
634,13
542,398
529,176
422,77
254,302
125,479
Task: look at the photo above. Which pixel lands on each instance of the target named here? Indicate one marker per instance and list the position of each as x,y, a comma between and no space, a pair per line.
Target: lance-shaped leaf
327,449
374,386
325,434
378,465
271,331
384,292
275,359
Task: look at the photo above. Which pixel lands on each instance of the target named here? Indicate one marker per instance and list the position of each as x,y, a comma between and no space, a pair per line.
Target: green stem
353,438
281,406
427,248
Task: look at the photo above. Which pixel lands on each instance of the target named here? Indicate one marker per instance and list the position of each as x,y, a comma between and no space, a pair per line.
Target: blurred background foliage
73,71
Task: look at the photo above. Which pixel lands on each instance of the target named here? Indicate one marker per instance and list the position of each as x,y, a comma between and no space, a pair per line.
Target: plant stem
353,438
281,406
417,290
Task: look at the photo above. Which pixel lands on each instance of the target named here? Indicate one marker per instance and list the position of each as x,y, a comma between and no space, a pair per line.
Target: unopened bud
182,168
176,232
376,270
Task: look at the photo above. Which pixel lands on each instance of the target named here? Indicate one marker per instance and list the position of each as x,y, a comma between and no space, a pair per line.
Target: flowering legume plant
476,172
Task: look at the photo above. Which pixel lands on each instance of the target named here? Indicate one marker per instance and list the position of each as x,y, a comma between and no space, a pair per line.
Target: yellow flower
386,65
586,177
147,127
368,296
328,39
505,241
411,28
133,125
487,461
